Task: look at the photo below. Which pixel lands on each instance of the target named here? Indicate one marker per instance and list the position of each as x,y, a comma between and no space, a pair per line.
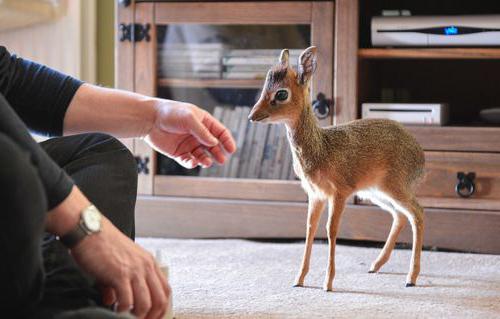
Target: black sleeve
56,183
38,94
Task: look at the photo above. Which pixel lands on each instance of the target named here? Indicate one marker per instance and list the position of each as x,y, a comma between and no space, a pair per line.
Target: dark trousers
38,276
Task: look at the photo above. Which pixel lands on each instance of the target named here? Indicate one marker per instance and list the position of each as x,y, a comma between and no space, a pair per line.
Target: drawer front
481,177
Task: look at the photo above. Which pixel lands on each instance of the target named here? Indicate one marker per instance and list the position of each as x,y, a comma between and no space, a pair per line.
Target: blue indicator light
451,30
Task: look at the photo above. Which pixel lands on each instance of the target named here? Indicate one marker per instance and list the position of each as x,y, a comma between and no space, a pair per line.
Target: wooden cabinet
460,191
203,32
439,188
174,202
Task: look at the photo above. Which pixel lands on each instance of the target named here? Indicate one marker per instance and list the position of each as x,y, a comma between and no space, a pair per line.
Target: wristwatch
90,223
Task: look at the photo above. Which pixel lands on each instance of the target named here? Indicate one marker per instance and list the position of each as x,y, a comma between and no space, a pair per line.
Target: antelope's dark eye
281,95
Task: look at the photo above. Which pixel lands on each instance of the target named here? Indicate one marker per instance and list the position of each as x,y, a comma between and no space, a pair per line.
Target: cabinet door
216,55
124,54
258,25
145,83
346,60
133,72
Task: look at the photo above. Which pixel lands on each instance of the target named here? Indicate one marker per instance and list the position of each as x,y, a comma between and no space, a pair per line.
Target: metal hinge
134,32
142,164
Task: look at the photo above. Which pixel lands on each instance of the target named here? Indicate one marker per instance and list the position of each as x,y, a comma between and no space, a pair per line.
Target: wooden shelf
211,83
457,138
229,188
424,53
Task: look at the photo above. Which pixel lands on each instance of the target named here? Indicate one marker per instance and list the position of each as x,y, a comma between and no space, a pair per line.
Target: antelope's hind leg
315,208
415,214
398,224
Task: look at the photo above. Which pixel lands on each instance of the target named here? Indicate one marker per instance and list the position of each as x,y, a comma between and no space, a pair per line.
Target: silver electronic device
436,31
407,113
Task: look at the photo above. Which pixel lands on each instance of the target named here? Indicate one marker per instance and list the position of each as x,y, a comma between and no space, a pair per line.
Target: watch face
92,219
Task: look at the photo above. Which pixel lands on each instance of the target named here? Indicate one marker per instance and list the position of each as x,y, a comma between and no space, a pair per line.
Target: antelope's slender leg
315,208
415,214
335,210
398,223
417,226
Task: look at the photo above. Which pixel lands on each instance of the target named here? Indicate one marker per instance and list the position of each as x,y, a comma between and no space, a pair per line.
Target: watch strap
74,236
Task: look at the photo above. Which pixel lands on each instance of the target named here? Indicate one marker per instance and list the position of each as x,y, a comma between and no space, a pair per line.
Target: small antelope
375,159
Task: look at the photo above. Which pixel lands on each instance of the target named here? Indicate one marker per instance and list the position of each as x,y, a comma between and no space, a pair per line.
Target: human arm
38,94
126,265
179,130
56,183
117,263
103,255
47,101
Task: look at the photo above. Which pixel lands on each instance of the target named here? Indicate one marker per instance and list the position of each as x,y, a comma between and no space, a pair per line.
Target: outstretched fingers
192,153
201,155
222,134
201,132
187,160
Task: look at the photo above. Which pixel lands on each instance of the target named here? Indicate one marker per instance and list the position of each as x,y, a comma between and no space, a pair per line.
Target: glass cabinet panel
221,68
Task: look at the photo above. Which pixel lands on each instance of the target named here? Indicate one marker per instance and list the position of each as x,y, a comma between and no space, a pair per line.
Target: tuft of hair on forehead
276,75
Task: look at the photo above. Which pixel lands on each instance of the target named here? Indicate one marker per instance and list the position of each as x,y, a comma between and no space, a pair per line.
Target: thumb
202,134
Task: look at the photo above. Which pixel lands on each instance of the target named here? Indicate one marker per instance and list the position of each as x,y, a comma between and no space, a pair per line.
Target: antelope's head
286,90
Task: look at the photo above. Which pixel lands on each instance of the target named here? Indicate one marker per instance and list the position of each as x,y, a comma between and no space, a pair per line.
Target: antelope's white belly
383,200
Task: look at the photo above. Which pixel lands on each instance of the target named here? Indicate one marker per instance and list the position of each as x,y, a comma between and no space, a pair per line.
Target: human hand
189,135
127,273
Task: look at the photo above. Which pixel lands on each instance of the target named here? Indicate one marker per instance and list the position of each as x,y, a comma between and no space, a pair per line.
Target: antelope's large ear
307,65
284,57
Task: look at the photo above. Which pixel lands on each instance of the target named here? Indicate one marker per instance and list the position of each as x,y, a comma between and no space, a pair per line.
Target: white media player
436,31
407,113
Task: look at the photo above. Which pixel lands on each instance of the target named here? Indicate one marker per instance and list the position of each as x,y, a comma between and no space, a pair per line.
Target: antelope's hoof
409,284
374,268
327,288
298,285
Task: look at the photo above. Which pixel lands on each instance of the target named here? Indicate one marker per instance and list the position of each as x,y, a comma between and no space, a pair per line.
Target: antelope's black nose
257,116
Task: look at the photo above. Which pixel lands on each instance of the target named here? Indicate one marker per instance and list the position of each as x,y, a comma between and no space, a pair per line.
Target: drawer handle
321,106
465,186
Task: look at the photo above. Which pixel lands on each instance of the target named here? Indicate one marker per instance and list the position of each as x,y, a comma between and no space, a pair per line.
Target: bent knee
117,153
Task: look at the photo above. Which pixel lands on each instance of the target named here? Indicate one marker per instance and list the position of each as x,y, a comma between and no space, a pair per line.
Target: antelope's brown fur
377,159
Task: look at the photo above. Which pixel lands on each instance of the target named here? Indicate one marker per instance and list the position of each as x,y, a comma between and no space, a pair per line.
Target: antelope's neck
305,137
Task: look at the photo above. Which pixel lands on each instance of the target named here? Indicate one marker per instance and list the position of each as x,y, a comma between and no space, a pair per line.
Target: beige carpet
245,279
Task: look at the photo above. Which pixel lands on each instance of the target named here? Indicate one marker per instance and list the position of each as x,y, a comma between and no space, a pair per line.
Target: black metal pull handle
465,186
321,106
125,32
142,32
142,164
135,32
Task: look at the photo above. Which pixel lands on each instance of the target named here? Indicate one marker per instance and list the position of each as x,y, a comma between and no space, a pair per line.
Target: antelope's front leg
315,209
335,210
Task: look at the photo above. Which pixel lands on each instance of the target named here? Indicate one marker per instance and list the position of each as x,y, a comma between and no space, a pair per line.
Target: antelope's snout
258,112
